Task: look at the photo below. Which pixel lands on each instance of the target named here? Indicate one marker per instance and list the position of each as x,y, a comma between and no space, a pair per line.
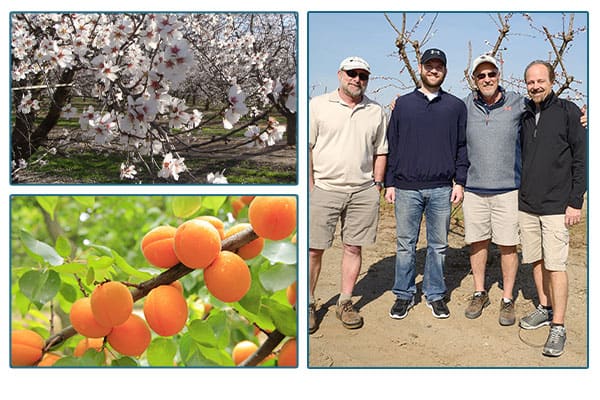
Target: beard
353,91
433,83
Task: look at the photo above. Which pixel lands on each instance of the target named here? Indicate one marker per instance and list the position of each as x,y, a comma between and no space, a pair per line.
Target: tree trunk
26,138
292,130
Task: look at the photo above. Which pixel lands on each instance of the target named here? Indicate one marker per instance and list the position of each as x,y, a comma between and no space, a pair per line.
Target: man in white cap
348,152
490,204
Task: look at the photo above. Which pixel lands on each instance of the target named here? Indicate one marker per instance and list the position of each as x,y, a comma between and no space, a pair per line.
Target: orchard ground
420,340
87,163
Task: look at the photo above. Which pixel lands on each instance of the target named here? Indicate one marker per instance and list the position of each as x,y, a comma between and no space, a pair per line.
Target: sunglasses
492,74
361,75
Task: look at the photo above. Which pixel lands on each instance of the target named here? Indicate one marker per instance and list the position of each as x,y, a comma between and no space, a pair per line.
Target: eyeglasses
361,75
483,75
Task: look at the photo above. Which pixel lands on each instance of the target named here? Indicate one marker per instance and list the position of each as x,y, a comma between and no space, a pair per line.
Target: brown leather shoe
349,316
312,318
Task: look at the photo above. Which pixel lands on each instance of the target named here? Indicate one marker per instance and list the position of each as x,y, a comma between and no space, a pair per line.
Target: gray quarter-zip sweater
493,143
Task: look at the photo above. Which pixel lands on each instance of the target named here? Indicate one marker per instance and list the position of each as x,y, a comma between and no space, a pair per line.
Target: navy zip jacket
554,154
427,142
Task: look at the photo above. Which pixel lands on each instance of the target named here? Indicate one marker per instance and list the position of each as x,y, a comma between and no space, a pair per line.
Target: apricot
83,321
111,303
247,199
242,350
251,249
273,217
228,277
216,222
237,205
25,347
48,359
197,243
88,343
165,310
290,292
157,247
131,338
177,285
287,354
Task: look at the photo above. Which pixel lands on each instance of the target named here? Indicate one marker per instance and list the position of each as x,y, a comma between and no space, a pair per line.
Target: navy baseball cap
431,54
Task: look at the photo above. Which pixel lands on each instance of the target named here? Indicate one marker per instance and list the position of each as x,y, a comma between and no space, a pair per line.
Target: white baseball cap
484,58
354,62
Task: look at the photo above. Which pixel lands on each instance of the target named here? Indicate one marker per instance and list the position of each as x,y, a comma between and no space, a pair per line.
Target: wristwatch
380,184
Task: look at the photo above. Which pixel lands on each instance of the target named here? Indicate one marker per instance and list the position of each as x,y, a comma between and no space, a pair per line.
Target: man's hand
572,216
390,195
457,194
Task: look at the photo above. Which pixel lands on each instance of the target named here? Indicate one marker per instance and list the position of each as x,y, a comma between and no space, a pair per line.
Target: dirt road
420,340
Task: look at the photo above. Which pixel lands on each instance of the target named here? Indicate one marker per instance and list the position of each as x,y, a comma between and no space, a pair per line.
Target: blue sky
332,36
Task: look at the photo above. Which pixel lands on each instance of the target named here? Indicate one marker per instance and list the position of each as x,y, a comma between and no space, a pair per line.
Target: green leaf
86,201
45,251
202,332
124,362
63,246
283,316
213,203
71,268
186,206
276,277
48,203
161,352
128,269
40,286
280,251
102,262
91,358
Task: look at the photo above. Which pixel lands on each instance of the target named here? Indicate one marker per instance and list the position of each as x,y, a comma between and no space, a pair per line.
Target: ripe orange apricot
237,205
157,247
88,343
48,359
247,199
111,303
287,354
228,277
242,350
26,347
197,243
166,310
290,292
249,250
273,217
131,338
216,222
177,285
83,321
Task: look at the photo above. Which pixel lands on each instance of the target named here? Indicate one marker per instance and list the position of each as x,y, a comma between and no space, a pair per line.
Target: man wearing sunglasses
490,206
426,172
348,152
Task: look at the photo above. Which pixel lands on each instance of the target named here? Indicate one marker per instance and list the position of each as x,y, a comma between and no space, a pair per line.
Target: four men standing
537,145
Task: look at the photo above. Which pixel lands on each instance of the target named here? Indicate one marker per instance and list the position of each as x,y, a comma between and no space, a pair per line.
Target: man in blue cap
426,172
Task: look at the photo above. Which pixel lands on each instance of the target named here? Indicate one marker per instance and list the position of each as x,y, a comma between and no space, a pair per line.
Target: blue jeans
410,206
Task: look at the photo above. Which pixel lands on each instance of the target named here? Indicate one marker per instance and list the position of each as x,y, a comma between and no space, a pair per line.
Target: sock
555,324
505,300
344,297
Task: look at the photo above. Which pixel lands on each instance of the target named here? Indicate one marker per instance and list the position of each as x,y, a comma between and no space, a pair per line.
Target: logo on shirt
507,108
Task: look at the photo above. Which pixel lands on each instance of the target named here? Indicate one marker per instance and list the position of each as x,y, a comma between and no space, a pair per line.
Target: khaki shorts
545,237
492,216
358,212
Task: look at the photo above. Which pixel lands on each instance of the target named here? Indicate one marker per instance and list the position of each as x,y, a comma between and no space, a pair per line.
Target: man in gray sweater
490,204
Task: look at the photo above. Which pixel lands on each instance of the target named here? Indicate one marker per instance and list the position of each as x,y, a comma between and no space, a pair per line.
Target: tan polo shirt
344,141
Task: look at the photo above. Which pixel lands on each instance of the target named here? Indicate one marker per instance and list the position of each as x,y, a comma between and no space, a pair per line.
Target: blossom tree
140,69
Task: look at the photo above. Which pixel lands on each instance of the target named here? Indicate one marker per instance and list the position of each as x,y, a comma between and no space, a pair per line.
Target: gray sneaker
507,313
555,344
538,318
479,301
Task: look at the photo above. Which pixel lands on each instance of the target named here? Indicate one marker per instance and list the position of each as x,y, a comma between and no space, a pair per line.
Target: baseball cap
484,58
431,54
354,62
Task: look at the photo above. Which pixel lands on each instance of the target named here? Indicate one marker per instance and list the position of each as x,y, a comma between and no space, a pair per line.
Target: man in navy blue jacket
426,172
